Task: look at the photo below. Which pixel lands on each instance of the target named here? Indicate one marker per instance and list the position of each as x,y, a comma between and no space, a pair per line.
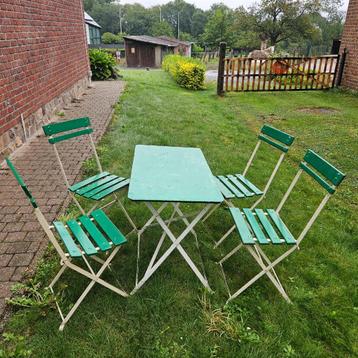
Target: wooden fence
278,73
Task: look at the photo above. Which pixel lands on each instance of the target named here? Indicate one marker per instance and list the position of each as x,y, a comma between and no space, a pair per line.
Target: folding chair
262,227
96,188
238,186
83,238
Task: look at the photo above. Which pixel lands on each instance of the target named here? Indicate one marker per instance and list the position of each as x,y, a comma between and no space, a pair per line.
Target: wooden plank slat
242,227
248,183
108,227
110,190
260,236
95,184
66,238
240,186
81,237
268,227
231,187
88,181
281,227
100,188
224,190
95,234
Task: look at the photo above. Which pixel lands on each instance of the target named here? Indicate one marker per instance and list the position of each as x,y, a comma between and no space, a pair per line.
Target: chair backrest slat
332,177
55,128
325,168
276,138
66,136
274,144
22,183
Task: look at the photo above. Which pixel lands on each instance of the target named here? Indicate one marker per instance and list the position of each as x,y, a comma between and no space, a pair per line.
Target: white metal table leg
175,245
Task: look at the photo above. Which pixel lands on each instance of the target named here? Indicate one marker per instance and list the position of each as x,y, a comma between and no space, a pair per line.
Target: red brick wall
43,52
350,41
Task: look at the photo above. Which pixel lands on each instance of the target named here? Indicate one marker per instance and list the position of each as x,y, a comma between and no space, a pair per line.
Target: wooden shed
148,51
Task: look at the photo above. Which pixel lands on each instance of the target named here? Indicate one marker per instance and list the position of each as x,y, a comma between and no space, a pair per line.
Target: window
132,50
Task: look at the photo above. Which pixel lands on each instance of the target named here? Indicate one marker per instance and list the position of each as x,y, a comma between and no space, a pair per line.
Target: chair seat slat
231,187
260,236
240,186
95,234
87,181
268,227
66,238
81,237
97,190
248,183
108,227
95,184
224,190
281,227
110,190
242,227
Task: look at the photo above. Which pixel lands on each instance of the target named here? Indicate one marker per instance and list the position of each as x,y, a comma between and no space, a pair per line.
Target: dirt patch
318,110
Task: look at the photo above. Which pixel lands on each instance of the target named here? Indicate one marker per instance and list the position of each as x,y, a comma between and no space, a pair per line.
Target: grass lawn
172,315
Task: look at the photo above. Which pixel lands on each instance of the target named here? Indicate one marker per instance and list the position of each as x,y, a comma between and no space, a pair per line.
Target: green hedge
186,71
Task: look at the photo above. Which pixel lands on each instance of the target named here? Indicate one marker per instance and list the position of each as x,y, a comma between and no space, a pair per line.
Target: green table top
172,174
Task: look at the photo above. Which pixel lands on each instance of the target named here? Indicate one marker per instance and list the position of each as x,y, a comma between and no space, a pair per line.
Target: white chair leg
224,237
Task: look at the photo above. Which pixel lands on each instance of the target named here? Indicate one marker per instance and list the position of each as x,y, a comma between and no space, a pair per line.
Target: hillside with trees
288,25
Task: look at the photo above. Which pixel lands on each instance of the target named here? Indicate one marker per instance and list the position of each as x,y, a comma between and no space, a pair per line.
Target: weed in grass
14,346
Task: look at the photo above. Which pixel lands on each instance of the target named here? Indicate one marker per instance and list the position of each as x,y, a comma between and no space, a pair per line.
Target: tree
162,28
246,37
219,26
279,20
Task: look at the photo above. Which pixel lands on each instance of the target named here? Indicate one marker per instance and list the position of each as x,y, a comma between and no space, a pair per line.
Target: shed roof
151,40
89,20
176,41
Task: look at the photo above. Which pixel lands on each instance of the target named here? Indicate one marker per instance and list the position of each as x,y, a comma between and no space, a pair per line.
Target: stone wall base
28,127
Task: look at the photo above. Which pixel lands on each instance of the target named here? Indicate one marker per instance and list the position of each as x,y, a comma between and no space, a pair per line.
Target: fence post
221,69
341,67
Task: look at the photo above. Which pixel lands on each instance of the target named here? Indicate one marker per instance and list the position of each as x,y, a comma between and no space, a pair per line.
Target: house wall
350,41
43,64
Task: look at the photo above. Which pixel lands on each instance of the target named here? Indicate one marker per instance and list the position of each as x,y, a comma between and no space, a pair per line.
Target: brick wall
350,41
43,55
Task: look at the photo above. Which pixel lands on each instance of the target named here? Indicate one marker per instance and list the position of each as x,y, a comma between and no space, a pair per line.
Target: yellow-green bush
186,71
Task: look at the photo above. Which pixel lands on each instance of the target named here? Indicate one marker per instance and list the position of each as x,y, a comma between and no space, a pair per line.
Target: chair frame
332,178
66,260
83,122
266,135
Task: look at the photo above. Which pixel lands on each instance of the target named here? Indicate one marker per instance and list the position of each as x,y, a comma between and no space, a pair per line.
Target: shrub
186,71
103,65
109,38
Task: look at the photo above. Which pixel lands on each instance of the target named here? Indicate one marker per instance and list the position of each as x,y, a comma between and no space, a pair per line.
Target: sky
205,4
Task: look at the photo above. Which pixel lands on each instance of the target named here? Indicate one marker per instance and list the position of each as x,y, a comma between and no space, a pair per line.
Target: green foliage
219,26
187,72
162,28
109,38
103,65
33,292
14,347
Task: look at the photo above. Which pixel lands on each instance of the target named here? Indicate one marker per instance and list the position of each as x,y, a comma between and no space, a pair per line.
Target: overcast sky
204,4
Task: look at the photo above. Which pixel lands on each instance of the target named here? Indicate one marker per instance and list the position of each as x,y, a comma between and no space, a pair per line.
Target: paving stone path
22,241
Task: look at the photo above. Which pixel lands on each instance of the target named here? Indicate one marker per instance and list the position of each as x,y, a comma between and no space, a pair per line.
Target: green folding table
171,175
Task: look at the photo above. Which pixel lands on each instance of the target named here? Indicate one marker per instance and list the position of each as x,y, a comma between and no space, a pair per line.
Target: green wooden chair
96,188
80,240
258,228
238,186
